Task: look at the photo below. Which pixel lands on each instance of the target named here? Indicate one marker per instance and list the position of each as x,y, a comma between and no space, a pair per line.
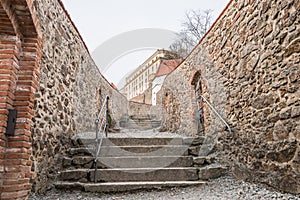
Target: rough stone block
212,171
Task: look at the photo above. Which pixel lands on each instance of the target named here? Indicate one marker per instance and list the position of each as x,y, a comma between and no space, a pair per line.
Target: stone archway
20,55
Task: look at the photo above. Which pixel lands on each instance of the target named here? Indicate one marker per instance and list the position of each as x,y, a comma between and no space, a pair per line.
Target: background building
139,80
165,68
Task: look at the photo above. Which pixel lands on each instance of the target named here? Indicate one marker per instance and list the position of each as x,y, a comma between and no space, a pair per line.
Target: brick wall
248,66
56,89
20,53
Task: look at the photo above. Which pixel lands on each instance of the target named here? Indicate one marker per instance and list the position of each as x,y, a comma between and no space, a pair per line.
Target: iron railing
101,126
198,89
218,114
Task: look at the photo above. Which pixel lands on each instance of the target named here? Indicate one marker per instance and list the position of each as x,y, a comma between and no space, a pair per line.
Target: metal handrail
98,130
218,114
198,88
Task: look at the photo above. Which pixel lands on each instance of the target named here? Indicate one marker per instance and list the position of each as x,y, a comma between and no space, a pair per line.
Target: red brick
12,41
3,117
3,123
25,109
28,174
23,93
2,137
28,41
18,150
2,143
18,138
26,78
17,156
3,111
16,181
23,103
4,106
23,132
27,65
24,98
7,51
8,67
13,175
5,87
14,195
25,82
15,188
17,164
7,56
25,115
18,144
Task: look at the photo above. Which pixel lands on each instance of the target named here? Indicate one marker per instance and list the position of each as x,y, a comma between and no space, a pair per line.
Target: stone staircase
140,122
136,163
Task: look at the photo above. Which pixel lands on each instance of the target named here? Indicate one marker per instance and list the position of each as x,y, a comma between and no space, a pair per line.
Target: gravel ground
222,188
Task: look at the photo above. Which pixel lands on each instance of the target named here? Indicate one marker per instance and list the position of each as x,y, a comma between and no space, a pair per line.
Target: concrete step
129,162
131,174
119,151
130,141
124,186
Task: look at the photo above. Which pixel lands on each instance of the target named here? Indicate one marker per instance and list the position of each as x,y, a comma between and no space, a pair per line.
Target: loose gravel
225,188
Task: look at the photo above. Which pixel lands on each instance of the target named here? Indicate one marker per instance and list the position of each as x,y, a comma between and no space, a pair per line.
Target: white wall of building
156,86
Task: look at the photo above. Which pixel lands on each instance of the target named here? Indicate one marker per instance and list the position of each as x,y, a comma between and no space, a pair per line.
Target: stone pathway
225,188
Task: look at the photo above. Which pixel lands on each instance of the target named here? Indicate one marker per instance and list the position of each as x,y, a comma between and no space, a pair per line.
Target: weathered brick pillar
20,54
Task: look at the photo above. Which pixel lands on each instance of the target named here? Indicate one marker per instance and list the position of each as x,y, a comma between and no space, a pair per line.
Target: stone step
119,151
204,160
130,141
142,126
123,186
131,174
212,171
129,162
144,121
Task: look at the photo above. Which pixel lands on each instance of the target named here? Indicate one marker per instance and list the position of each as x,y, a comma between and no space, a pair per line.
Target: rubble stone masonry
70,94
249,68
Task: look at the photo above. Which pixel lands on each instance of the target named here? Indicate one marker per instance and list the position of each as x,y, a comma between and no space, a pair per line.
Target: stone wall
145,97
136,109
71,91
248,65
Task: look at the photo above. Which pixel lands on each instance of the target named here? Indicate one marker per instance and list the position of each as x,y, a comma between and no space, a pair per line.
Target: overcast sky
99,20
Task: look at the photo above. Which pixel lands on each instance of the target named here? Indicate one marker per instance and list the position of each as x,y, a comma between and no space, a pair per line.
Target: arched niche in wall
196,85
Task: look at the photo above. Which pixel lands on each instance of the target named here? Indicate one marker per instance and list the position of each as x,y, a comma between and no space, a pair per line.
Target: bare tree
195,25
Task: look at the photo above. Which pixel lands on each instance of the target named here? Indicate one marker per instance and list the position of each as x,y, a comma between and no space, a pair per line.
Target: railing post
107,116
98,129
96,149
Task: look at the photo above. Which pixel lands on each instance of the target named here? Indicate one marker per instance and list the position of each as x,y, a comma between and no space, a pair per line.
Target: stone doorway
199,113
